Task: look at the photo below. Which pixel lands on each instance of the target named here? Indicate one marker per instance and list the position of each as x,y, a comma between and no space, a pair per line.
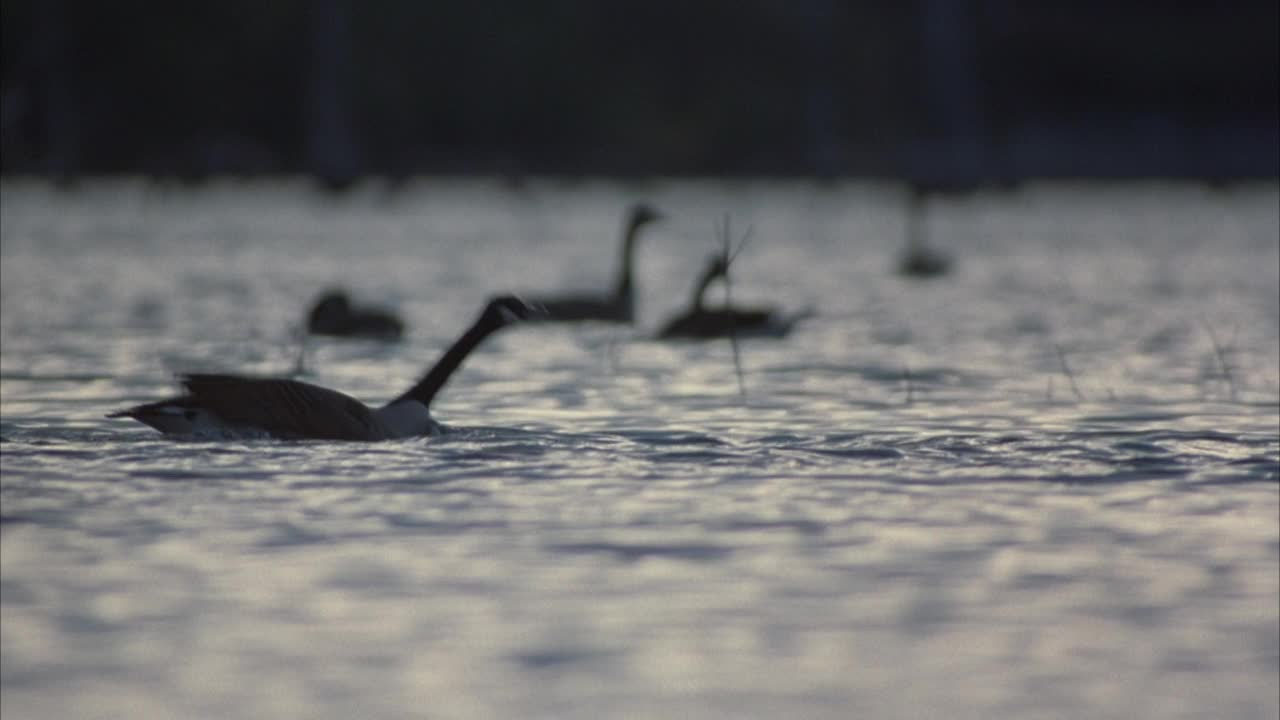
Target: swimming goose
619,306
727,321
232,406
334,315
701,322
919,260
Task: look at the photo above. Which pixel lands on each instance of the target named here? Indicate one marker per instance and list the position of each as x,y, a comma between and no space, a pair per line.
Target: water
1043,487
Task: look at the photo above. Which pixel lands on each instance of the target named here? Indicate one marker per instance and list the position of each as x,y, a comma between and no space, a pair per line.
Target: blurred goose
333,314
618,306
919,260
232,406
700,321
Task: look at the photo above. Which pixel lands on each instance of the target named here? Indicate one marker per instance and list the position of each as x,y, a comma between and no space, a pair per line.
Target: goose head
330,313
717,265
643,213
507,309
333,303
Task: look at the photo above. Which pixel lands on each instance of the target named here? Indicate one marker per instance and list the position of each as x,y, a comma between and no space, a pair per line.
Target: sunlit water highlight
1043,487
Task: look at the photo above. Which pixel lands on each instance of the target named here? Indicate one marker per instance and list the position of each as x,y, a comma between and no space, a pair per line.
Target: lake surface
1046,485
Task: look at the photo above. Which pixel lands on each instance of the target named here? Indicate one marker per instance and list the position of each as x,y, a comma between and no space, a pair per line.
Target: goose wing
284,408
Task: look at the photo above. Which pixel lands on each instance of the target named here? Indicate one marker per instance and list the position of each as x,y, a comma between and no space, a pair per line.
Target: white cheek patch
408,418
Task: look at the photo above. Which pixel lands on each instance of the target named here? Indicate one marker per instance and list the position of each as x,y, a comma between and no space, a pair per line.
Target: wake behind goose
233,406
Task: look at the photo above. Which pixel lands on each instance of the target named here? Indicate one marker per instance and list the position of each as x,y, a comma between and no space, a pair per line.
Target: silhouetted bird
618,306
334,315
919,260
232,406
701,322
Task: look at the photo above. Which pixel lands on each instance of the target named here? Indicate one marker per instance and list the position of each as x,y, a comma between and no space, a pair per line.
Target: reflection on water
1045,485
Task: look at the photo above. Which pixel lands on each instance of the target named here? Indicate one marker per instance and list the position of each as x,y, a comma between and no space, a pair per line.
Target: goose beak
512,308
536,311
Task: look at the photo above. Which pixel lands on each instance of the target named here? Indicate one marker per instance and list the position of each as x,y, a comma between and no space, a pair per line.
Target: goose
919,260
701,322
618,306
234,406
333,314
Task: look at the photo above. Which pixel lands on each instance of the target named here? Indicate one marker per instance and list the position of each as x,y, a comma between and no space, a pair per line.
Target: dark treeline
983,90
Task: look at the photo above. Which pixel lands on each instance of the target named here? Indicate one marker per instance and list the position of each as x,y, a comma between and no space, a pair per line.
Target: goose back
284,408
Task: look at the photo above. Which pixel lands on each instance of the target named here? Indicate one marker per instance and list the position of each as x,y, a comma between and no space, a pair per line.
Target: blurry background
935,90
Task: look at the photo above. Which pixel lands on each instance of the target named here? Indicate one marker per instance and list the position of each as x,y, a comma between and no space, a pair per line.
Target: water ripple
1035,475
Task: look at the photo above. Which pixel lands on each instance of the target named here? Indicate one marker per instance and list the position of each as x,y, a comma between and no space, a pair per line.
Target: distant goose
701,322
334,315
231,406
919,260
618,306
